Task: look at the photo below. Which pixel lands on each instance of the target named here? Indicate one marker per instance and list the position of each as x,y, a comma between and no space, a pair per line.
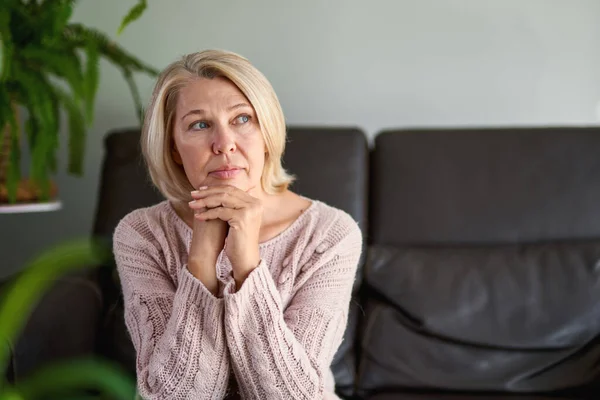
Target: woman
234,286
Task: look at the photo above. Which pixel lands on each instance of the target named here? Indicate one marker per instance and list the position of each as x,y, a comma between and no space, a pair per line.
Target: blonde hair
157,137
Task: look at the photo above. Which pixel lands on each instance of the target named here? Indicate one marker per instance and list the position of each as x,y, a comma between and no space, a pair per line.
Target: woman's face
217,136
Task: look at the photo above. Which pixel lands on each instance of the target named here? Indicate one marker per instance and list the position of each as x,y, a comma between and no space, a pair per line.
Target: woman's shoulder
324,225
334,224
142,223
328,234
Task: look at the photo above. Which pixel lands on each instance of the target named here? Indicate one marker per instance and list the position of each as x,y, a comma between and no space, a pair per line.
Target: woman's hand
208,239
243,214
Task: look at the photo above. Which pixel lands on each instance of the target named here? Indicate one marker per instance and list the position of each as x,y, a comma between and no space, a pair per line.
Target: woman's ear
175,154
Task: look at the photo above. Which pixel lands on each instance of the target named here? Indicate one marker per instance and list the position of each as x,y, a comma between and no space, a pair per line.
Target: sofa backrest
485,185
483,270
331,165
124,182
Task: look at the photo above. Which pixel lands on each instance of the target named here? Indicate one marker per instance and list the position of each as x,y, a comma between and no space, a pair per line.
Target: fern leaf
133,14
35,85
80,36
42,125
62,14
77,132
54,145
14,164
135,94
52,16
1,55
26,24
6,46
65,65
8,121
91,80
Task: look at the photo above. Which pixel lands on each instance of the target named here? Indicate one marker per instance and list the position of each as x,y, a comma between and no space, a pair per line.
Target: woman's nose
223,141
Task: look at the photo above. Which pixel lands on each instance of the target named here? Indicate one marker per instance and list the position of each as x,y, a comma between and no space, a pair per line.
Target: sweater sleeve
177,332
280,353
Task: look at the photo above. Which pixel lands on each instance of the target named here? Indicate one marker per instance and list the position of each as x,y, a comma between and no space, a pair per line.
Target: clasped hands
226,217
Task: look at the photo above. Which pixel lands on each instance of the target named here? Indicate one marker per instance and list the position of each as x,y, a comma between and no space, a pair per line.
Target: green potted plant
49,65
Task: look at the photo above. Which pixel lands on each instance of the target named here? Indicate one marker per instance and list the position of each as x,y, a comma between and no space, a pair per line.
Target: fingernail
203,187
192,202
195,192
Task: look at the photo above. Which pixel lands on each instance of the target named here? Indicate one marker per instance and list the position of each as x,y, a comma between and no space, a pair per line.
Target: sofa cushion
467,396
516,318
485,185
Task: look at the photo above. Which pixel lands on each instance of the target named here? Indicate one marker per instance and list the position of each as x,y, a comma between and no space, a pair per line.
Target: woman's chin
238,183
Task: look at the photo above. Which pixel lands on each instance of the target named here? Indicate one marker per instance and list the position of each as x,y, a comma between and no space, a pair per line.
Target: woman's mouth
225,173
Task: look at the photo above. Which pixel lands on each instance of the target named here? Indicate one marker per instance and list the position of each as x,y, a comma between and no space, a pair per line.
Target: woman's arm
285,354
177,331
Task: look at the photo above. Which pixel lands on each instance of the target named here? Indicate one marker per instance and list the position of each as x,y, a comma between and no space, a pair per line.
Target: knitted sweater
278,333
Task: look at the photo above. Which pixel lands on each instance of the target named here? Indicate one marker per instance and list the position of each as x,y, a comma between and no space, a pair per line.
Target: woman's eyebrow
191,112
239,105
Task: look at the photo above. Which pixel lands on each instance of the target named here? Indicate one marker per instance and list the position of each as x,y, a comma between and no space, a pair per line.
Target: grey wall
374,64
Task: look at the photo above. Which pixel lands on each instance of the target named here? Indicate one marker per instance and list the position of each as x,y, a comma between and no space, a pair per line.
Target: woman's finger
224,189
224,214
217,200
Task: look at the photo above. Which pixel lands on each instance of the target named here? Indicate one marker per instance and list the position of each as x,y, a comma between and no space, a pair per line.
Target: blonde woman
234,287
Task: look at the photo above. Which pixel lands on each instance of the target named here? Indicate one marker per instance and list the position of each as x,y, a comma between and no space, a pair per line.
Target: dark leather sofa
480,275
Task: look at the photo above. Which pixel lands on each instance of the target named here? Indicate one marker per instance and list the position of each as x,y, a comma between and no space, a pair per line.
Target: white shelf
30,207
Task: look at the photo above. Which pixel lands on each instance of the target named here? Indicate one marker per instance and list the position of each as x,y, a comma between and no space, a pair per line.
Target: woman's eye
242,119
199,125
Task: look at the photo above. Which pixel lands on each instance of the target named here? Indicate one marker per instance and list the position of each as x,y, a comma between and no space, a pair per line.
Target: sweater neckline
293,227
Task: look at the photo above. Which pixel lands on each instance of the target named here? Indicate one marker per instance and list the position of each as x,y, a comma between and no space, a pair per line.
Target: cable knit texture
278,333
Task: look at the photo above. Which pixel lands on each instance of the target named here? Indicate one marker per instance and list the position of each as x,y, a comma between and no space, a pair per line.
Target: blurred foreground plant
15,307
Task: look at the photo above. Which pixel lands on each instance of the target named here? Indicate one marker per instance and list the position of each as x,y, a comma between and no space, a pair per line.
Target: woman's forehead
207,93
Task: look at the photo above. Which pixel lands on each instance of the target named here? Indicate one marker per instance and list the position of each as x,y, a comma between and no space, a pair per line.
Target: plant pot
29,195
29,198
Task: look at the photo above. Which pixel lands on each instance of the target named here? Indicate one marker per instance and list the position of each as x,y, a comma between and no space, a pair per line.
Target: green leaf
133,14
10,394
54,145
91,80
8,126
8,121
77,132
42,126
1,55
61,16
26,23
84,374
35,125
31,130
135,94
63,64
52,17
80,36
13,175
6,46
24,293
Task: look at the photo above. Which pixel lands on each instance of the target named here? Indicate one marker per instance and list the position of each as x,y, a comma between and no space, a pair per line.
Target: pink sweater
278,333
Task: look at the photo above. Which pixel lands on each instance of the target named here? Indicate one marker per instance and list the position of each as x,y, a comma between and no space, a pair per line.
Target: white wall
372,64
